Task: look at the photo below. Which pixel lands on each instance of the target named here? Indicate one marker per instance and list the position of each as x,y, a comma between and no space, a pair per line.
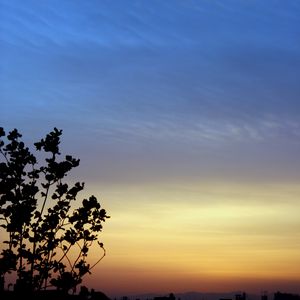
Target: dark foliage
46,237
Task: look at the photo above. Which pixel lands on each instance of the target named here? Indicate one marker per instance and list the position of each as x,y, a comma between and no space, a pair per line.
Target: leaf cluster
42,228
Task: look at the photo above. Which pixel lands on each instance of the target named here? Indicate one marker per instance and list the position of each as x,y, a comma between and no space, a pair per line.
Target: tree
46,237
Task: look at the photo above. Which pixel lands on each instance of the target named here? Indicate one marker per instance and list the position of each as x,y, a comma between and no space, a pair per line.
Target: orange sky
200,237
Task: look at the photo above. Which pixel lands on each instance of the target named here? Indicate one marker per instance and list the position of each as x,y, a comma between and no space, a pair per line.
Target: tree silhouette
46,237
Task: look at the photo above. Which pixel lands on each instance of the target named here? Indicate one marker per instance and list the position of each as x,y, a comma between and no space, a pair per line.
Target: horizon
185,118
211,295
193,294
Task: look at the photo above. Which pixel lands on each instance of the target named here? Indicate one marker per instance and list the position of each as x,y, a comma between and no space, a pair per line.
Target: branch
97,262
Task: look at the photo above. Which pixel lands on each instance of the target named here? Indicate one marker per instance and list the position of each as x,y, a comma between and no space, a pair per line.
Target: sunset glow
185,117
213,240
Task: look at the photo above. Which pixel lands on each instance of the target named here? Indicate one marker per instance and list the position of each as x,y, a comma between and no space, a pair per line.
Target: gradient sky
186,117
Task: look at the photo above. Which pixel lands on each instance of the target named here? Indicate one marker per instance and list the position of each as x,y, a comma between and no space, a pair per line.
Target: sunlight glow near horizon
218,241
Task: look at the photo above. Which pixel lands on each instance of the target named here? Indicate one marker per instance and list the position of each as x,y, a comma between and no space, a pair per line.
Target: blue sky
153,78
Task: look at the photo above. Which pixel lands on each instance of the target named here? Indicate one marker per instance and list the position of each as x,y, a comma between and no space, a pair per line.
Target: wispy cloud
183,76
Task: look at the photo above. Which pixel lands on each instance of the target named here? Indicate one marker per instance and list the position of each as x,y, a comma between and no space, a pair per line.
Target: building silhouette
239,296
286,296
170,297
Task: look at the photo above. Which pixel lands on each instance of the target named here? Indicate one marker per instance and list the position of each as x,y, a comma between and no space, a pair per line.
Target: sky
185,116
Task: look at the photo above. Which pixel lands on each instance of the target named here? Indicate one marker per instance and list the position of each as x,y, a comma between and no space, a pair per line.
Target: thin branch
97,262
65,255
78,257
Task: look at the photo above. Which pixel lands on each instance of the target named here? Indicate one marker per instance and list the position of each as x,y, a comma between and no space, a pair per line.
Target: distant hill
214,296
196,296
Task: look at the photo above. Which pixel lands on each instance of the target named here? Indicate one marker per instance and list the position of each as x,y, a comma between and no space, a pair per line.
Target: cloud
208,81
